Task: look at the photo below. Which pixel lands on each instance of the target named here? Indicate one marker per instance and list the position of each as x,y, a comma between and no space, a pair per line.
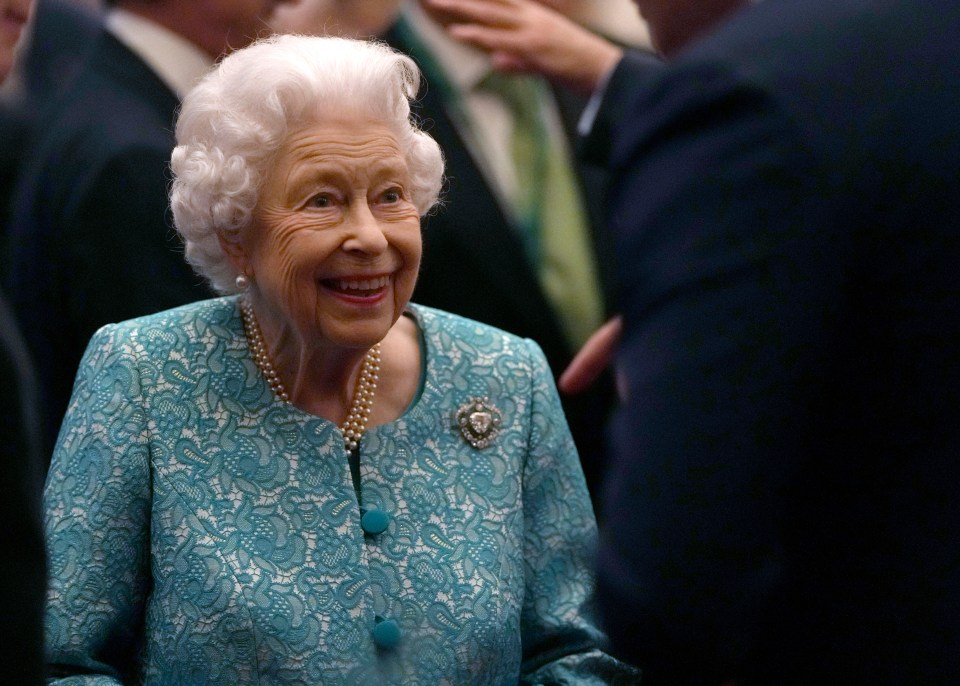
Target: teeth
365,285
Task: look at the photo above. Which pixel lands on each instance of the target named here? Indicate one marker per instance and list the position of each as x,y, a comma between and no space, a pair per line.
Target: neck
318,380
183,18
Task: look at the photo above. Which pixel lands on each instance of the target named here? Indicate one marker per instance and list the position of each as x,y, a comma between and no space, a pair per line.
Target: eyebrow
314,172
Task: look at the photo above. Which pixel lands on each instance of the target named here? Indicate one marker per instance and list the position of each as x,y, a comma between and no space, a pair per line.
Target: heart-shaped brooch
479,421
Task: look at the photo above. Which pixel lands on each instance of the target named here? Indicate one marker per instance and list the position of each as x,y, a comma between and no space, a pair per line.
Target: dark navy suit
63,33
93,240
783,504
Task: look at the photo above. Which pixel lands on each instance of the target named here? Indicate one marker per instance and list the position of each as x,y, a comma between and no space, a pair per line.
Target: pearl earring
242,282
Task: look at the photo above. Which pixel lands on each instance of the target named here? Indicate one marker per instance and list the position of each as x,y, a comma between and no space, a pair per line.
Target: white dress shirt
178,62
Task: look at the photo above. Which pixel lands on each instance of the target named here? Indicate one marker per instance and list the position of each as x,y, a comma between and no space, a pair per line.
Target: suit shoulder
100,122
114,101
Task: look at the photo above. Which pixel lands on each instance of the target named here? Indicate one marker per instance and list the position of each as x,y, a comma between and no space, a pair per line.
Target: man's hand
529,36
595,356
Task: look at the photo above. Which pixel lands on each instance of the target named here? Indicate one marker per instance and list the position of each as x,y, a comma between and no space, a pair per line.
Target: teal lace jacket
200,531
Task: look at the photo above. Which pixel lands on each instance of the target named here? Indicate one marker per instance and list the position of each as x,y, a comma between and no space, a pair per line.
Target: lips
360,288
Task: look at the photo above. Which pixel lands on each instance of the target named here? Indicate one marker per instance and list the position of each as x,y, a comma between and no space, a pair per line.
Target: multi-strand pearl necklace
358,416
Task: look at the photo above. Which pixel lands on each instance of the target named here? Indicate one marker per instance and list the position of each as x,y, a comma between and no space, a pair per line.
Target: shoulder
155,355
114,102
464,348
828,64
200,321
446,330
815,72
626,84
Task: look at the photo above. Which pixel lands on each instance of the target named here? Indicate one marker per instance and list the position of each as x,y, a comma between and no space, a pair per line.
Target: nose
364,233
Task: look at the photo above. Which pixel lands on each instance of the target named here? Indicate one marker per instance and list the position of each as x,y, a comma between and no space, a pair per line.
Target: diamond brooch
479,421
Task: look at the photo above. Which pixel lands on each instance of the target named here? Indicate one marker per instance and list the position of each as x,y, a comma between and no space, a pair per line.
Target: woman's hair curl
234,121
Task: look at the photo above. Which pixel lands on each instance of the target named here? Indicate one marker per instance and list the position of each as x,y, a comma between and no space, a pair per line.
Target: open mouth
358,288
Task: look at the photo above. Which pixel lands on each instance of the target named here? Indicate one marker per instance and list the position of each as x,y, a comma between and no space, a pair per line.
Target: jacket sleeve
97,504
613,103
561,642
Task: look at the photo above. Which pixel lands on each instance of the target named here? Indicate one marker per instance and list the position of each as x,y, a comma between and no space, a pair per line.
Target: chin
362,333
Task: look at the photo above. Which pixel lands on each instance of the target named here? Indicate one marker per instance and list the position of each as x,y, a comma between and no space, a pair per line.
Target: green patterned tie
550,209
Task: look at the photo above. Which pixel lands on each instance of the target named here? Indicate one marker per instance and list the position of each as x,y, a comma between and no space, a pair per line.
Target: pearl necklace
358,416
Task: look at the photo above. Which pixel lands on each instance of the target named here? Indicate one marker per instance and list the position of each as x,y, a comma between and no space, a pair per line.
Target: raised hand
530,36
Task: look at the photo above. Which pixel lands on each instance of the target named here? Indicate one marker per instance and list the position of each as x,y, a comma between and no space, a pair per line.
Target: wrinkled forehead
362,145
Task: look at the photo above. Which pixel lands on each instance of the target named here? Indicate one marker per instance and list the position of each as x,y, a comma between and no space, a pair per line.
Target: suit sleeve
615,103
729,273
561,642
97,502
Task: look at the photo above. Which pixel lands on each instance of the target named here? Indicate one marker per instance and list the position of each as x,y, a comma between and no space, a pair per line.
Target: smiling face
334,246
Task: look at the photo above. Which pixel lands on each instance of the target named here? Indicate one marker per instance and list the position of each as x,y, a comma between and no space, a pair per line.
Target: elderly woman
311,480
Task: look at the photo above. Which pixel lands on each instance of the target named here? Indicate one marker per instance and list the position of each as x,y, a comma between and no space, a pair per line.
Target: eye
392,195
322,200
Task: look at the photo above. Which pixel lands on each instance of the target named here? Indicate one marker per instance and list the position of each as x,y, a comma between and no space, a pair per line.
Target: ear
234,249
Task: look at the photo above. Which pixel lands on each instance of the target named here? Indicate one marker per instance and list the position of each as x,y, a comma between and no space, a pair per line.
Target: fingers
526,36
485,12
483,37
595,356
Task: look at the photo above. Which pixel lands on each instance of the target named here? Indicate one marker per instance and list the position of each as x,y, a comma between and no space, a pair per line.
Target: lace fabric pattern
201,531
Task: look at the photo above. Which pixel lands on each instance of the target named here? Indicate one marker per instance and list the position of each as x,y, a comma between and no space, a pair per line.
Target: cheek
287,254
416,245
410,245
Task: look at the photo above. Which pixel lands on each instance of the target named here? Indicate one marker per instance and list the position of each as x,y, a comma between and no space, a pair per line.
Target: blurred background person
22,569
786,211
514,242
790,330
271,485
92,241
61,33
54,41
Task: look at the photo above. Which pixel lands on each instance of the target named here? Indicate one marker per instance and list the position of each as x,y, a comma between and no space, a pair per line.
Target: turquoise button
374,522
386,634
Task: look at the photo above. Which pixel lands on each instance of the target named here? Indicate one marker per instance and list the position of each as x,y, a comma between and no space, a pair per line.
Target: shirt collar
178,62
464,65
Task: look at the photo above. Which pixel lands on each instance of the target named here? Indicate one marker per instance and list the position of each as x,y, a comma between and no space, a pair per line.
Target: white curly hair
233,122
